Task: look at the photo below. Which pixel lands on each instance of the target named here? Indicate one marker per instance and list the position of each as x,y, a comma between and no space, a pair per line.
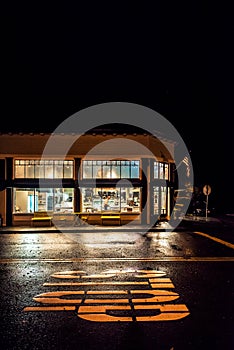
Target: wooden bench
111,219
41,218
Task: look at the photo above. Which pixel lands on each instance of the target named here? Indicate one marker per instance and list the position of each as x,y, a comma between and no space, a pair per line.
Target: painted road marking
227,244
50,308
136,295
111,259
103,313
149,303
108,274
126,283
168,312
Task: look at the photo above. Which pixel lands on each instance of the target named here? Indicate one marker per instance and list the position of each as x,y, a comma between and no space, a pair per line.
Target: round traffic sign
207,190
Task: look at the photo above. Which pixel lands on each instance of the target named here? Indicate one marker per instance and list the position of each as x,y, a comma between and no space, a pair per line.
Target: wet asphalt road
112,290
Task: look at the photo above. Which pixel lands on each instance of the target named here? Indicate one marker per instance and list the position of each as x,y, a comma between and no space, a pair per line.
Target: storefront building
132,174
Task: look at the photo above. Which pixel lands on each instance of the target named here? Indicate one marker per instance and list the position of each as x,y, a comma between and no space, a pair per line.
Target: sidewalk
222,219
164,226
84,228
193,218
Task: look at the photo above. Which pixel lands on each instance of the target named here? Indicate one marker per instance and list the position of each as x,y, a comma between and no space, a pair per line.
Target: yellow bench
41,218
80,218
61,218
110,218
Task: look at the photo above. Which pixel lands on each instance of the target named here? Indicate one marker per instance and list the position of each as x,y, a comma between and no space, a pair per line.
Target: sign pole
206,206
206,191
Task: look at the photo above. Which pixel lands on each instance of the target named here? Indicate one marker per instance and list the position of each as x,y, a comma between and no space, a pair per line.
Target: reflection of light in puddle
160,239
28,243
163,243
108,238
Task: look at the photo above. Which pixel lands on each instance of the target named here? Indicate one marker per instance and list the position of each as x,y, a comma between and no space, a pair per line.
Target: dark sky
176,58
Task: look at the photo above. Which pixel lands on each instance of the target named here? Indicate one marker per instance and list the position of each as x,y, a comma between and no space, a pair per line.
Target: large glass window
19,169
58,169
161,170
29,200
111,169
134,169
124,199
39,170
160,200
115,172
163,199
68,169
49,174
29,169
125,169
156,200
97,169
87,170
43,169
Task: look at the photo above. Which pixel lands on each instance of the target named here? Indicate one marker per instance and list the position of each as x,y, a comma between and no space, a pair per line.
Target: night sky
176,58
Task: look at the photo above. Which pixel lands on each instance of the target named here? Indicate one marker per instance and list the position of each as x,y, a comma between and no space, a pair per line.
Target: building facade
129,173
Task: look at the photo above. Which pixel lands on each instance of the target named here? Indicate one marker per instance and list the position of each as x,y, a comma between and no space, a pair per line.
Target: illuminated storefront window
67,169
39,170
110,169
156,200
161,170
105,195
29,169
160,200
163,200
121,199
125,170
43,169
124,199
19,169
29,200
58,169
49,174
